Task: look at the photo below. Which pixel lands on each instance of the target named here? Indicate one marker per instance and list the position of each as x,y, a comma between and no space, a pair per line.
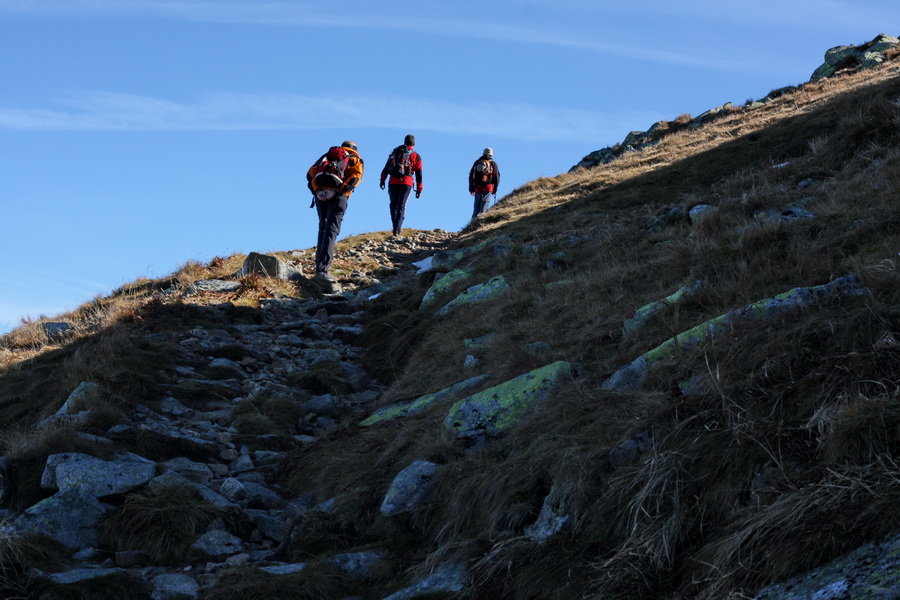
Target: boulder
270,266
91,476
69,517
410,488
496,409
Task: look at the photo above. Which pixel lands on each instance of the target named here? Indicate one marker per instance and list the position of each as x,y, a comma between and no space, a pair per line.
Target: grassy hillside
782,456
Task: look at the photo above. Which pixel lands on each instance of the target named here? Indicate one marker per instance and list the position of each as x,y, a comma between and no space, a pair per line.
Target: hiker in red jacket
484,177
332,179
402,165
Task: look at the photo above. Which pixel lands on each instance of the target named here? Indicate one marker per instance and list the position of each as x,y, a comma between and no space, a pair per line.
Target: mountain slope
755,437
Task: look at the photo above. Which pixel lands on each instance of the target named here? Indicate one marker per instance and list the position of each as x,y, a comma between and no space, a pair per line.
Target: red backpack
331,167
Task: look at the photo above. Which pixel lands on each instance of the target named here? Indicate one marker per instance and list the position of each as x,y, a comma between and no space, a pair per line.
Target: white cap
488,152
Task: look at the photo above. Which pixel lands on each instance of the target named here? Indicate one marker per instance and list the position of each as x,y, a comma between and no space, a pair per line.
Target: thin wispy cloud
104,111
310,15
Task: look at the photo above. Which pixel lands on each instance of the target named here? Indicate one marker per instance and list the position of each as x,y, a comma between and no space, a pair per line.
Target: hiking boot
324,276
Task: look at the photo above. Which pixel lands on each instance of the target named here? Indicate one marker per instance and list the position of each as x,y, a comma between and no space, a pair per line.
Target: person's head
410,140
349,144
488,152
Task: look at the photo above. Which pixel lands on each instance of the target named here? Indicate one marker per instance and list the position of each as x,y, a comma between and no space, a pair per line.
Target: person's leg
399,196
481,203
395,199
328,232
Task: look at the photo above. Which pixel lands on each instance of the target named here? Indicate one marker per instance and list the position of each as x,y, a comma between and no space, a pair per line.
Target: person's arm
417,169
496,177
353,176
384,172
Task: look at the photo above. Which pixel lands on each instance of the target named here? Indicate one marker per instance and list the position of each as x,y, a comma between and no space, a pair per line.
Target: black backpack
331,167
400,162
483,170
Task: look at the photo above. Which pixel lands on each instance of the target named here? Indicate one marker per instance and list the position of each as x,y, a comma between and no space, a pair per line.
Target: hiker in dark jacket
331,197
484,178
403,164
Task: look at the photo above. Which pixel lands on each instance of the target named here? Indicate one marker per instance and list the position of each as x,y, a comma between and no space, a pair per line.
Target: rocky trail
301,357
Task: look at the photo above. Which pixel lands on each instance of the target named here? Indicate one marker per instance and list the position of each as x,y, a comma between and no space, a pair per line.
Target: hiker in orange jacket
484,177
332,180
403,164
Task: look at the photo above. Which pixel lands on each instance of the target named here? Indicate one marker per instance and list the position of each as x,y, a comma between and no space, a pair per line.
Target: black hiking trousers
331,214
399,195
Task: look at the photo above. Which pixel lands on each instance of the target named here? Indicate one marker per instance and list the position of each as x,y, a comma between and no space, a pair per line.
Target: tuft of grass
162,523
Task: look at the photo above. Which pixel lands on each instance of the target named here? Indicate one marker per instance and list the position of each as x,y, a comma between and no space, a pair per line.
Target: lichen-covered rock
648,311
422,403
871,572
496,409
410,487
443,282
631,376
483,292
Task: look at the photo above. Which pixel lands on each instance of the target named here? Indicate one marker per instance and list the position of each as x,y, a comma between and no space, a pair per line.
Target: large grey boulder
92,476
270,266
69,517
410,488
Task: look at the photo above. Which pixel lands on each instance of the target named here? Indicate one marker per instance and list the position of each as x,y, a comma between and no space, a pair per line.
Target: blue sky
138,134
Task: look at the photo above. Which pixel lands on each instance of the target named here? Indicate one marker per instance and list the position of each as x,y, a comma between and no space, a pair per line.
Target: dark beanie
410,140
